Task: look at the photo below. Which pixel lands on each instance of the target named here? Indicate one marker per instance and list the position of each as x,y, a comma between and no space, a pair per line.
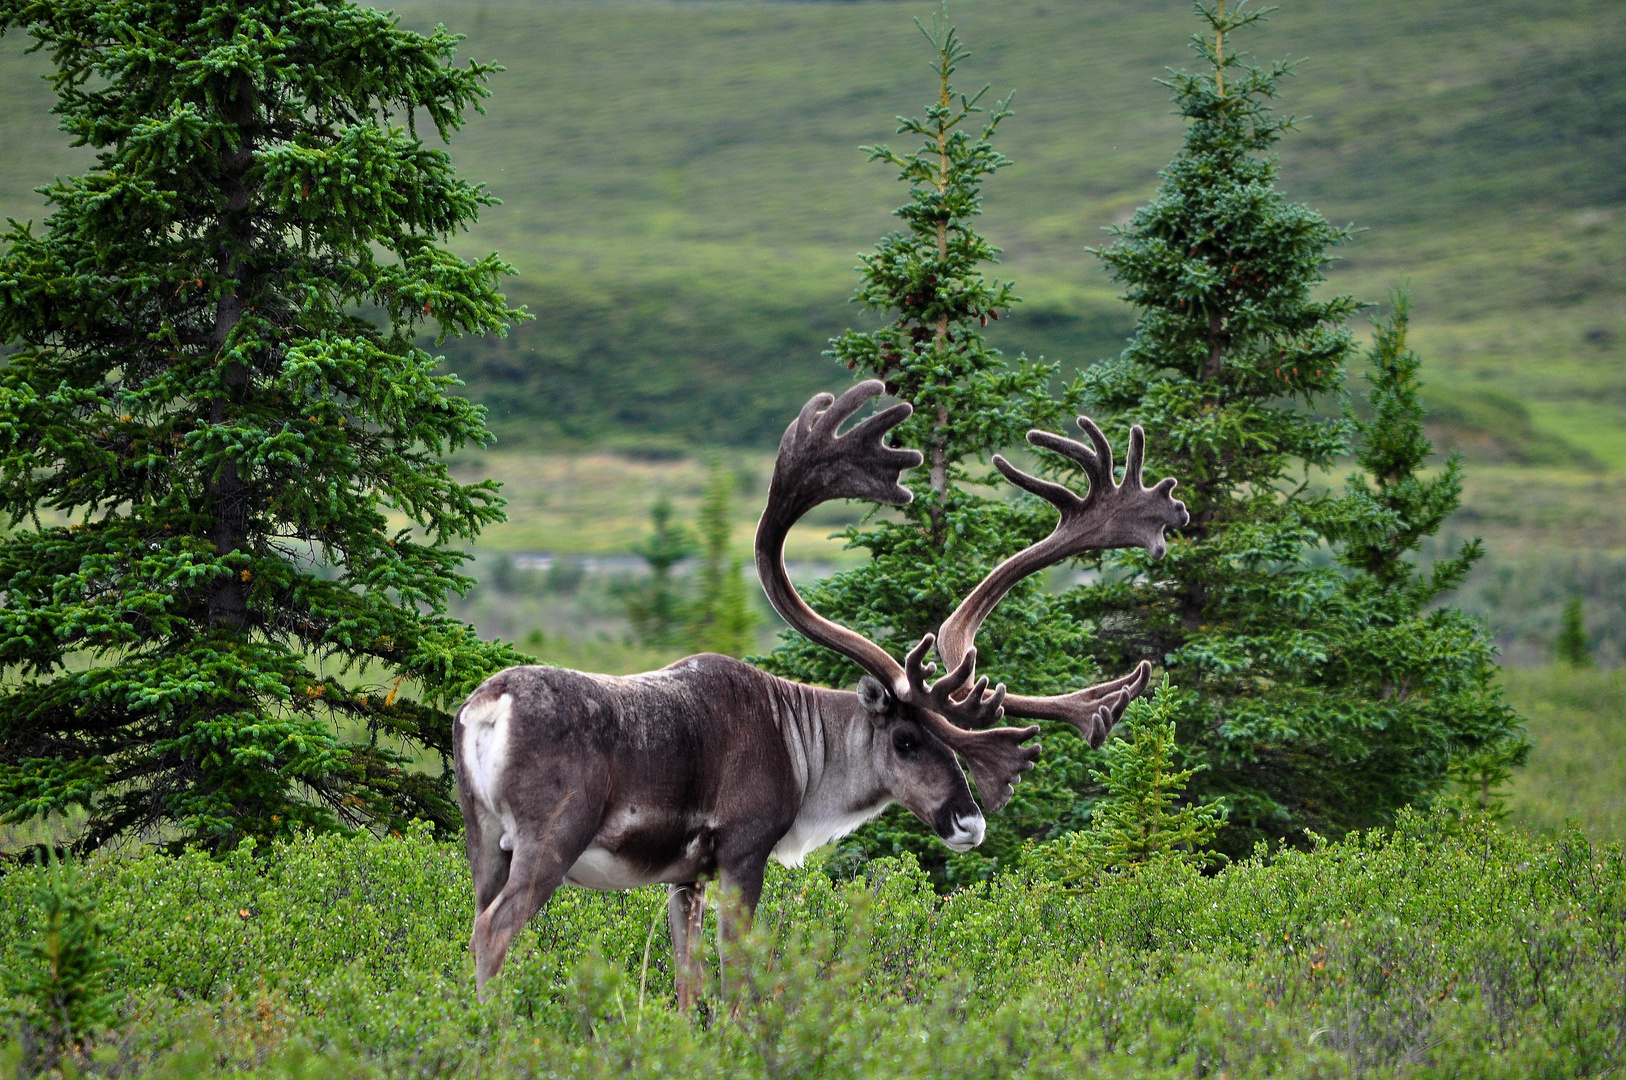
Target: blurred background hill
684,198
683,194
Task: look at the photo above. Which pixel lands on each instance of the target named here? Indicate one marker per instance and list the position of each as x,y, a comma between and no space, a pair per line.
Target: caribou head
710,767
816,464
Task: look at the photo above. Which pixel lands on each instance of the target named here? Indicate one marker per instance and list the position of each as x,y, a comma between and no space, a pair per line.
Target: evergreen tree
1571,644
207,434
1387,511
657,611
1322,695
1137,819
60,984
969,402
722,620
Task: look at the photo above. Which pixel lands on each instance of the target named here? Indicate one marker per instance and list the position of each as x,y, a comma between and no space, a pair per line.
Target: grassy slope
684,195
1577,771
708,150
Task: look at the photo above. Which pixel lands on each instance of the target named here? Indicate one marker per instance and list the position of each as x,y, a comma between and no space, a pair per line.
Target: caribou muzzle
960,831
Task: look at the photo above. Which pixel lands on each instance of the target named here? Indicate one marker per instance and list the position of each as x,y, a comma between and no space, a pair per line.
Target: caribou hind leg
543,853
685,909
488,861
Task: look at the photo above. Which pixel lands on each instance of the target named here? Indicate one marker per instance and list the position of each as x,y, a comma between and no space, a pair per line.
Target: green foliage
1572,642
1443,947
1326,692
206,440
1480,778
657,610
969,401
1136,820
722,620
61,971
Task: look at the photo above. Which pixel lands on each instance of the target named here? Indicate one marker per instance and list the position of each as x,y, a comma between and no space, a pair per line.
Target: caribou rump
709,767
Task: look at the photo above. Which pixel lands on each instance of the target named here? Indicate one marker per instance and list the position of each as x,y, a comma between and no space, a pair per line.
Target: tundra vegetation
1442,946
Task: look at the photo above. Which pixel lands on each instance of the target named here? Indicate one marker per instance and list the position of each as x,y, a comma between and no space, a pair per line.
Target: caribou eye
905,742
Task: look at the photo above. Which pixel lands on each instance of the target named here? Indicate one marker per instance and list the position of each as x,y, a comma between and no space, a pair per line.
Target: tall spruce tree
969,402
1322,693
224,609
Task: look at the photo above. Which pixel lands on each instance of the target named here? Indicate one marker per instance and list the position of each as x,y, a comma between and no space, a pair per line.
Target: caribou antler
1111,515
816,464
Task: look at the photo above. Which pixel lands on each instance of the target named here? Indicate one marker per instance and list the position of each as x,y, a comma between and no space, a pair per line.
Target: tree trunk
226,492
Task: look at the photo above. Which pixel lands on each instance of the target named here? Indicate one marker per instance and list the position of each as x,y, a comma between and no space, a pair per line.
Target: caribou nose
969,829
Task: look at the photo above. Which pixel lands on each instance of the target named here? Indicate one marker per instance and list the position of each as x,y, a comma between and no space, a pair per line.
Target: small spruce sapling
1139,818
656,610
61,981
1572,643
722,620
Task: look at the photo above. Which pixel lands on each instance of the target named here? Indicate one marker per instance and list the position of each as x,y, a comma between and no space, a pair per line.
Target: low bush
1440,947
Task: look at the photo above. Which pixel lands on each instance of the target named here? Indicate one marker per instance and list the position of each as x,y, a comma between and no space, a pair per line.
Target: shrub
1443,946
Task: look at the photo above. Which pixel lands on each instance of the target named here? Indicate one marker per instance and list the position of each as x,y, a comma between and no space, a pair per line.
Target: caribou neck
827,736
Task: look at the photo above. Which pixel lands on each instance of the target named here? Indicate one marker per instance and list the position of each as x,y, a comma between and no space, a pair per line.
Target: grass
598,503
1577,769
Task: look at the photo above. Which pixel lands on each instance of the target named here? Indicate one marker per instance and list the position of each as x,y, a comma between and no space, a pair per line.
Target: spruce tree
1323,695
59,985
224,595
1140,816
1429,667
1571,645
969,402
722,620
656,610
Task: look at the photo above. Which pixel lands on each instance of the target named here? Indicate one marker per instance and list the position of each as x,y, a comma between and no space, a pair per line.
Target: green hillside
684,195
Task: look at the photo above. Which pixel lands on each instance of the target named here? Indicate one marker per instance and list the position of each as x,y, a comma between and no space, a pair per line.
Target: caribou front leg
685,910
739,891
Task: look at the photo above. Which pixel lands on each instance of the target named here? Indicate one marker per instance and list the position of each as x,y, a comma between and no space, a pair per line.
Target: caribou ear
996,758
876,699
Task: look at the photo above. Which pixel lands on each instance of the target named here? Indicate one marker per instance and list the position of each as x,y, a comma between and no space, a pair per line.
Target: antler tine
976,709
1094,711
1112,515
816,464
1096,462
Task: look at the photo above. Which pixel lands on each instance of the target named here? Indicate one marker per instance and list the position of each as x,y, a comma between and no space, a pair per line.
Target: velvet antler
1111,515
817,464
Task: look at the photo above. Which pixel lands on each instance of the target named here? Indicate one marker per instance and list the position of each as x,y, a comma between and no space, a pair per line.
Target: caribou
708,768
